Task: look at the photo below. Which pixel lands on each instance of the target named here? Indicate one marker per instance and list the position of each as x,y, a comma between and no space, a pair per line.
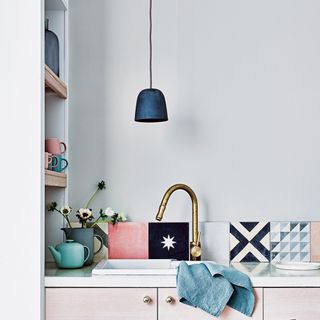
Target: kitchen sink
127,267
137,267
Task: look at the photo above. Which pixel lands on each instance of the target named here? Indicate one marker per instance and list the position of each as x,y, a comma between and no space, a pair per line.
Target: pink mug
48,158
54,146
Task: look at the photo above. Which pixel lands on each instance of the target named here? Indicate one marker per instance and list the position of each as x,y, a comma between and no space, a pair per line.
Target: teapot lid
69,240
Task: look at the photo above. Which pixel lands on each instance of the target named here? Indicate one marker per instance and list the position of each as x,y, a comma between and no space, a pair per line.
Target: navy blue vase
51,49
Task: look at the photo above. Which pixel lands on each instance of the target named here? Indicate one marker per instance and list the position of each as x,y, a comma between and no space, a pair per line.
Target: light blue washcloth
211,287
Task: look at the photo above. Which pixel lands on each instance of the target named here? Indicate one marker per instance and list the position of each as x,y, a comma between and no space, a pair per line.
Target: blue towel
211,287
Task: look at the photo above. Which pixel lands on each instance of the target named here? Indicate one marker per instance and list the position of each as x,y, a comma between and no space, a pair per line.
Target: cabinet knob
147,300
169,300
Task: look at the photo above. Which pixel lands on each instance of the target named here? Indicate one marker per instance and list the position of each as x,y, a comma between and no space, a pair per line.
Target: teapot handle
101,243
88,254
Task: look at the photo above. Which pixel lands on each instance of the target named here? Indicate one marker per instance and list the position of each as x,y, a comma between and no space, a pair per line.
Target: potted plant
85,234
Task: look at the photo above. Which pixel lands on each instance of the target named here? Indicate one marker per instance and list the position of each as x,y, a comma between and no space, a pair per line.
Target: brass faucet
195,246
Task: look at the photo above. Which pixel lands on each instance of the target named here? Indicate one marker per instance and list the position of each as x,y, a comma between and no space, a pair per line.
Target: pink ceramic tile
128,240
315,241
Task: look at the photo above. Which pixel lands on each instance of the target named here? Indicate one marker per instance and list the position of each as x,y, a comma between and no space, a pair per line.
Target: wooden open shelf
55,179
55,84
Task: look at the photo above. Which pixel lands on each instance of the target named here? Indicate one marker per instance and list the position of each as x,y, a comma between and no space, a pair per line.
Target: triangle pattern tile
304,247
285,226
294,243
275,236
275,226
304,256
283,235
274,245
305,226
294,247
284,246
304,236
296,228
284,256
275,256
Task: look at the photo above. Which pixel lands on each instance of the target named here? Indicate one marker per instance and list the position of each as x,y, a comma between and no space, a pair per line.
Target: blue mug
61,162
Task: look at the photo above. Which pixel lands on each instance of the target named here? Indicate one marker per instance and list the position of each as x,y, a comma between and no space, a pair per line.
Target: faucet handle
195,251
198,239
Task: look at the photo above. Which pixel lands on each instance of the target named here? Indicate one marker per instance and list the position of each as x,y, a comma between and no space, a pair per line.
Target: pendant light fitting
151,103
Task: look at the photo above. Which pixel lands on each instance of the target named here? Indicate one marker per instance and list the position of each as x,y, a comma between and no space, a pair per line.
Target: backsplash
290,241
223,242
169,240
272,241
250,242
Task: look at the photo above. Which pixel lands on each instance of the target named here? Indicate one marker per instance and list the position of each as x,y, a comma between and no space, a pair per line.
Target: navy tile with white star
169,240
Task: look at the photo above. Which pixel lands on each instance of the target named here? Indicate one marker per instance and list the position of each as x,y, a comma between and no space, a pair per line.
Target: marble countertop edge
261,275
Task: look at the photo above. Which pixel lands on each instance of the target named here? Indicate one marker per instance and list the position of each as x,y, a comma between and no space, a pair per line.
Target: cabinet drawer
291,303
180,311
100,304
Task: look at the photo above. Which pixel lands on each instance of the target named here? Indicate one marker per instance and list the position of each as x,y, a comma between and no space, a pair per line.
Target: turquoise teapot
69,254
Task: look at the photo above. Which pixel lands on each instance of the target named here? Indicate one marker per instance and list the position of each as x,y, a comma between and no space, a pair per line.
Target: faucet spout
195,247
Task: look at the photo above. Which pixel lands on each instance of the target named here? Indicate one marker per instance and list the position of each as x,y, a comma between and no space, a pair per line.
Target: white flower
85,213
65,210
122,217
109,212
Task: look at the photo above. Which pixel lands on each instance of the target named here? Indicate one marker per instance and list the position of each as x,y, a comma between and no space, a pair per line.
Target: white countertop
261,275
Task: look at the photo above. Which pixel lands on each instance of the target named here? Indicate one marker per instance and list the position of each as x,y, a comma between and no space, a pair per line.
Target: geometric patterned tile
169,240
249,242
290,241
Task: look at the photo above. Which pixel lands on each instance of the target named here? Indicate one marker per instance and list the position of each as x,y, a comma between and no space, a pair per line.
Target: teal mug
61,162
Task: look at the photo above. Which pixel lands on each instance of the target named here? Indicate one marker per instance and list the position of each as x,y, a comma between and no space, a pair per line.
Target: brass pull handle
147,300
169,300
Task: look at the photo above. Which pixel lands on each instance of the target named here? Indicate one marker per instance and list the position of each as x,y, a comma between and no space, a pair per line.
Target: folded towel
211,287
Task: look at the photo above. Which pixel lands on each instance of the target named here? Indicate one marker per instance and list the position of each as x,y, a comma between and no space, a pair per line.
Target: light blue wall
242,82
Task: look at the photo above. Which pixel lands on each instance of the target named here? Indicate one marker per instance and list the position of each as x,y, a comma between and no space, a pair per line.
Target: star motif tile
169,240
290,241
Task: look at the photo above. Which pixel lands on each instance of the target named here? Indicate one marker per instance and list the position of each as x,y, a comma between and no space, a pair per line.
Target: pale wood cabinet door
291,303
179,311
100,304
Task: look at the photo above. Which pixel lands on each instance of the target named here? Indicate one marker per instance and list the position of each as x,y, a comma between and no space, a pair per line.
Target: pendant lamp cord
150,42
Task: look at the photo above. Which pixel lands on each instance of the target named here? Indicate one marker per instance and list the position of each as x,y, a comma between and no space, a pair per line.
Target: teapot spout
56,254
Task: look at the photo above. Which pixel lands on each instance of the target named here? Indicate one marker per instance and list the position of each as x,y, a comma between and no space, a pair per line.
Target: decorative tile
315,241
214,241
250,242
290,241
128,240
169,240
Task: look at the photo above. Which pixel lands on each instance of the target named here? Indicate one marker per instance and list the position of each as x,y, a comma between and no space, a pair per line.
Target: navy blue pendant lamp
151,103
